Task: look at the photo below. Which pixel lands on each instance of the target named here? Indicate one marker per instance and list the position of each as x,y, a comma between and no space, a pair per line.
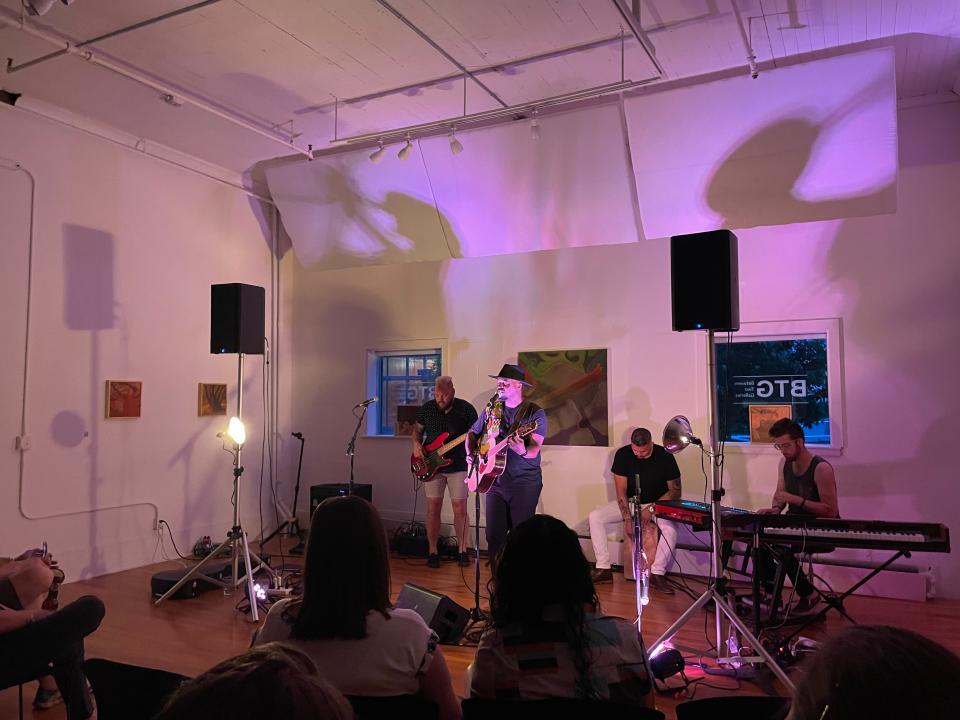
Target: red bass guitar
433,457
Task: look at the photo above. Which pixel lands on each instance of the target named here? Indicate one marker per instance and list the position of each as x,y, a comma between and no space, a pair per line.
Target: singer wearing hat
514,494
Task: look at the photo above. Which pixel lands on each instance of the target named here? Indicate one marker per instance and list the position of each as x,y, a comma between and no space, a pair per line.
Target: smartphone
43,549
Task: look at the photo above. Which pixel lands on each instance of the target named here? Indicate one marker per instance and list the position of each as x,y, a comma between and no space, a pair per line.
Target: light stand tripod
236,537
291,524
716,589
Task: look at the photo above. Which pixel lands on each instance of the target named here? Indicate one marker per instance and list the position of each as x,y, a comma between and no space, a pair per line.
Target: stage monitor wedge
237,319
703,281
445,617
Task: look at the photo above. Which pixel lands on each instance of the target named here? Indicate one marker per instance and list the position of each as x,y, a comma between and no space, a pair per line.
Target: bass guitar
492,460
433,457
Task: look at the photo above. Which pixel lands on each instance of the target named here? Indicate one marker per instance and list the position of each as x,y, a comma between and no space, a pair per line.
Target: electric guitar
433,457
492,461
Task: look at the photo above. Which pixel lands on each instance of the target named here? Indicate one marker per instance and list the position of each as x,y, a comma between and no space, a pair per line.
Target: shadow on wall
335,223
88,307
757,183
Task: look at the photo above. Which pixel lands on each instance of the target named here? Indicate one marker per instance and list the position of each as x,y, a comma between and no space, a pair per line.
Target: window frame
800,330
406,347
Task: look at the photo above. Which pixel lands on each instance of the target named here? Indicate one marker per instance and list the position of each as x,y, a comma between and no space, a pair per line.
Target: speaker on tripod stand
236,326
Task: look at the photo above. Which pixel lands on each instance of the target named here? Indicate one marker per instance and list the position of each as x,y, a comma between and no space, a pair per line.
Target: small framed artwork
212,399
762,418
123,398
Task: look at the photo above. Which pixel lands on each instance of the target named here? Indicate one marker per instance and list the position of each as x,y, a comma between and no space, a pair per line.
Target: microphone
298,436
368,402
493,399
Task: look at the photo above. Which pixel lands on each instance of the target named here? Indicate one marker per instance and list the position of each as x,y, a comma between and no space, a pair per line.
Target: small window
404,380
764,376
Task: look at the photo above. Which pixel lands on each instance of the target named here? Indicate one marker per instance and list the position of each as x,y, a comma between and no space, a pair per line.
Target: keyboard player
806,486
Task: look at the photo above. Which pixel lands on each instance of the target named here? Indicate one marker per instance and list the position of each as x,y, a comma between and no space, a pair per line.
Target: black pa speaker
443,615
319,493
704,288
236,319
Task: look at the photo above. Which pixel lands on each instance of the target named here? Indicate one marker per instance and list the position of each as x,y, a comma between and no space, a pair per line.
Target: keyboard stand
835,602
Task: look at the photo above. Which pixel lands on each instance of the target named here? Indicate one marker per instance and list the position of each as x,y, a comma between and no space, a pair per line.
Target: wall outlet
23,442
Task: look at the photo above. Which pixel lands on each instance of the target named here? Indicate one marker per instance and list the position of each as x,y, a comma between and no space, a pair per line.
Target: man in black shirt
446,413
645,470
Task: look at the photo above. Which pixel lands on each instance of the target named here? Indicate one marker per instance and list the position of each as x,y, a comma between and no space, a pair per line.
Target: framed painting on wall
212,399
123,398
762,418
571,386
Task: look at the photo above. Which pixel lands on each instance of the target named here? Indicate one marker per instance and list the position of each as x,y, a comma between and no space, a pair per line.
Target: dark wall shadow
755,184
393,227
89,307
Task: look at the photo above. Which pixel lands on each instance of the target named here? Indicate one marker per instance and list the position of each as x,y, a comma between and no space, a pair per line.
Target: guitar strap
527,409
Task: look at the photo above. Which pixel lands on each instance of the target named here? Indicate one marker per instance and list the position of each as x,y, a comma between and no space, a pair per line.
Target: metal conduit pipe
88,55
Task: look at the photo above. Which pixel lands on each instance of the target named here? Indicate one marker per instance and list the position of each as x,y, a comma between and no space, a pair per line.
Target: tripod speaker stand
236,541
676,436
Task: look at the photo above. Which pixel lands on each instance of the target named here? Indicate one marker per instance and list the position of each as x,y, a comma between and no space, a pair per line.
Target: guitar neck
446,447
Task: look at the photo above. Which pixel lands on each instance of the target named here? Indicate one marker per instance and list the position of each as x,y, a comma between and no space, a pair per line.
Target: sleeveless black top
803,485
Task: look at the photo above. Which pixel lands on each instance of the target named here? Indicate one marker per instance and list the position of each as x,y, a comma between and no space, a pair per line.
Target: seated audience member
345,622
547,636
268,682
38,644
880,673
39,641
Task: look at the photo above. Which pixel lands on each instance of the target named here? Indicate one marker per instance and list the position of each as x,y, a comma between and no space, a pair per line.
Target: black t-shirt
456,421
652,472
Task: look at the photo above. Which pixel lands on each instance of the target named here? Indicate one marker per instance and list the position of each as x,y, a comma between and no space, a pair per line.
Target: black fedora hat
512,372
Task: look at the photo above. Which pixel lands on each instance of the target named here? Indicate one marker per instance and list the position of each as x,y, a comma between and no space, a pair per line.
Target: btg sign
786,388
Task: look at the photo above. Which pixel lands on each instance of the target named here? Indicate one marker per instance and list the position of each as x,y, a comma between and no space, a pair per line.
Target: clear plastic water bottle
643,577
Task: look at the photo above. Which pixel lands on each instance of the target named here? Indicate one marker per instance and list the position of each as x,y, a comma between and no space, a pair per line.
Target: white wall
125,250
891,279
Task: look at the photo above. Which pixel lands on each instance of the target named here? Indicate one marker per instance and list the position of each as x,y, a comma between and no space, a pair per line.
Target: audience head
346,570
541,564
267,682
878,672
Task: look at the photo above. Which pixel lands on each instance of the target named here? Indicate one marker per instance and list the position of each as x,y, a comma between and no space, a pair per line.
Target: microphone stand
351,446
476,614
291,523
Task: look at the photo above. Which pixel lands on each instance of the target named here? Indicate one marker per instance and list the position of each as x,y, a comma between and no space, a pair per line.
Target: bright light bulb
236,431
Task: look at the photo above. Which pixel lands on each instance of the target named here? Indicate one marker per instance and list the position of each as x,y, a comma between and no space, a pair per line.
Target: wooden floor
188,636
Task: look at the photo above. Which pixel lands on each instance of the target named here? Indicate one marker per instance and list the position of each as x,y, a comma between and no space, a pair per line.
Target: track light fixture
377,155
535,125
456,147
41,7
405,150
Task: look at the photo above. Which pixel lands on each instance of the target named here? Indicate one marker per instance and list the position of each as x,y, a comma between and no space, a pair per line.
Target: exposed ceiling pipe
427,39
638,32
11,68
751,57
89,56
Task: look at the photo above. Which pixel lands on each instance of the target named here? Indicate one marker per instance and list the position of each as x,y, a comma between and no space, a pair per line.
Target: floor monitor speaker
443,615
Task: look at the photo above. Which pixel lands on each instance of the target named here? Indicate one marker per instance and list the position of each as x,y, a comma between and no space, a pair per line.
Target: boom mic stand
351,446
236,537
716,589
291,524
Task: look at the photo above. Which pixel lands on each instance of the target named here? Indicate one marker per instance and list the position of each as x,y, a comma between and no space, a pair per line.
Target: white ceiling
284,65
